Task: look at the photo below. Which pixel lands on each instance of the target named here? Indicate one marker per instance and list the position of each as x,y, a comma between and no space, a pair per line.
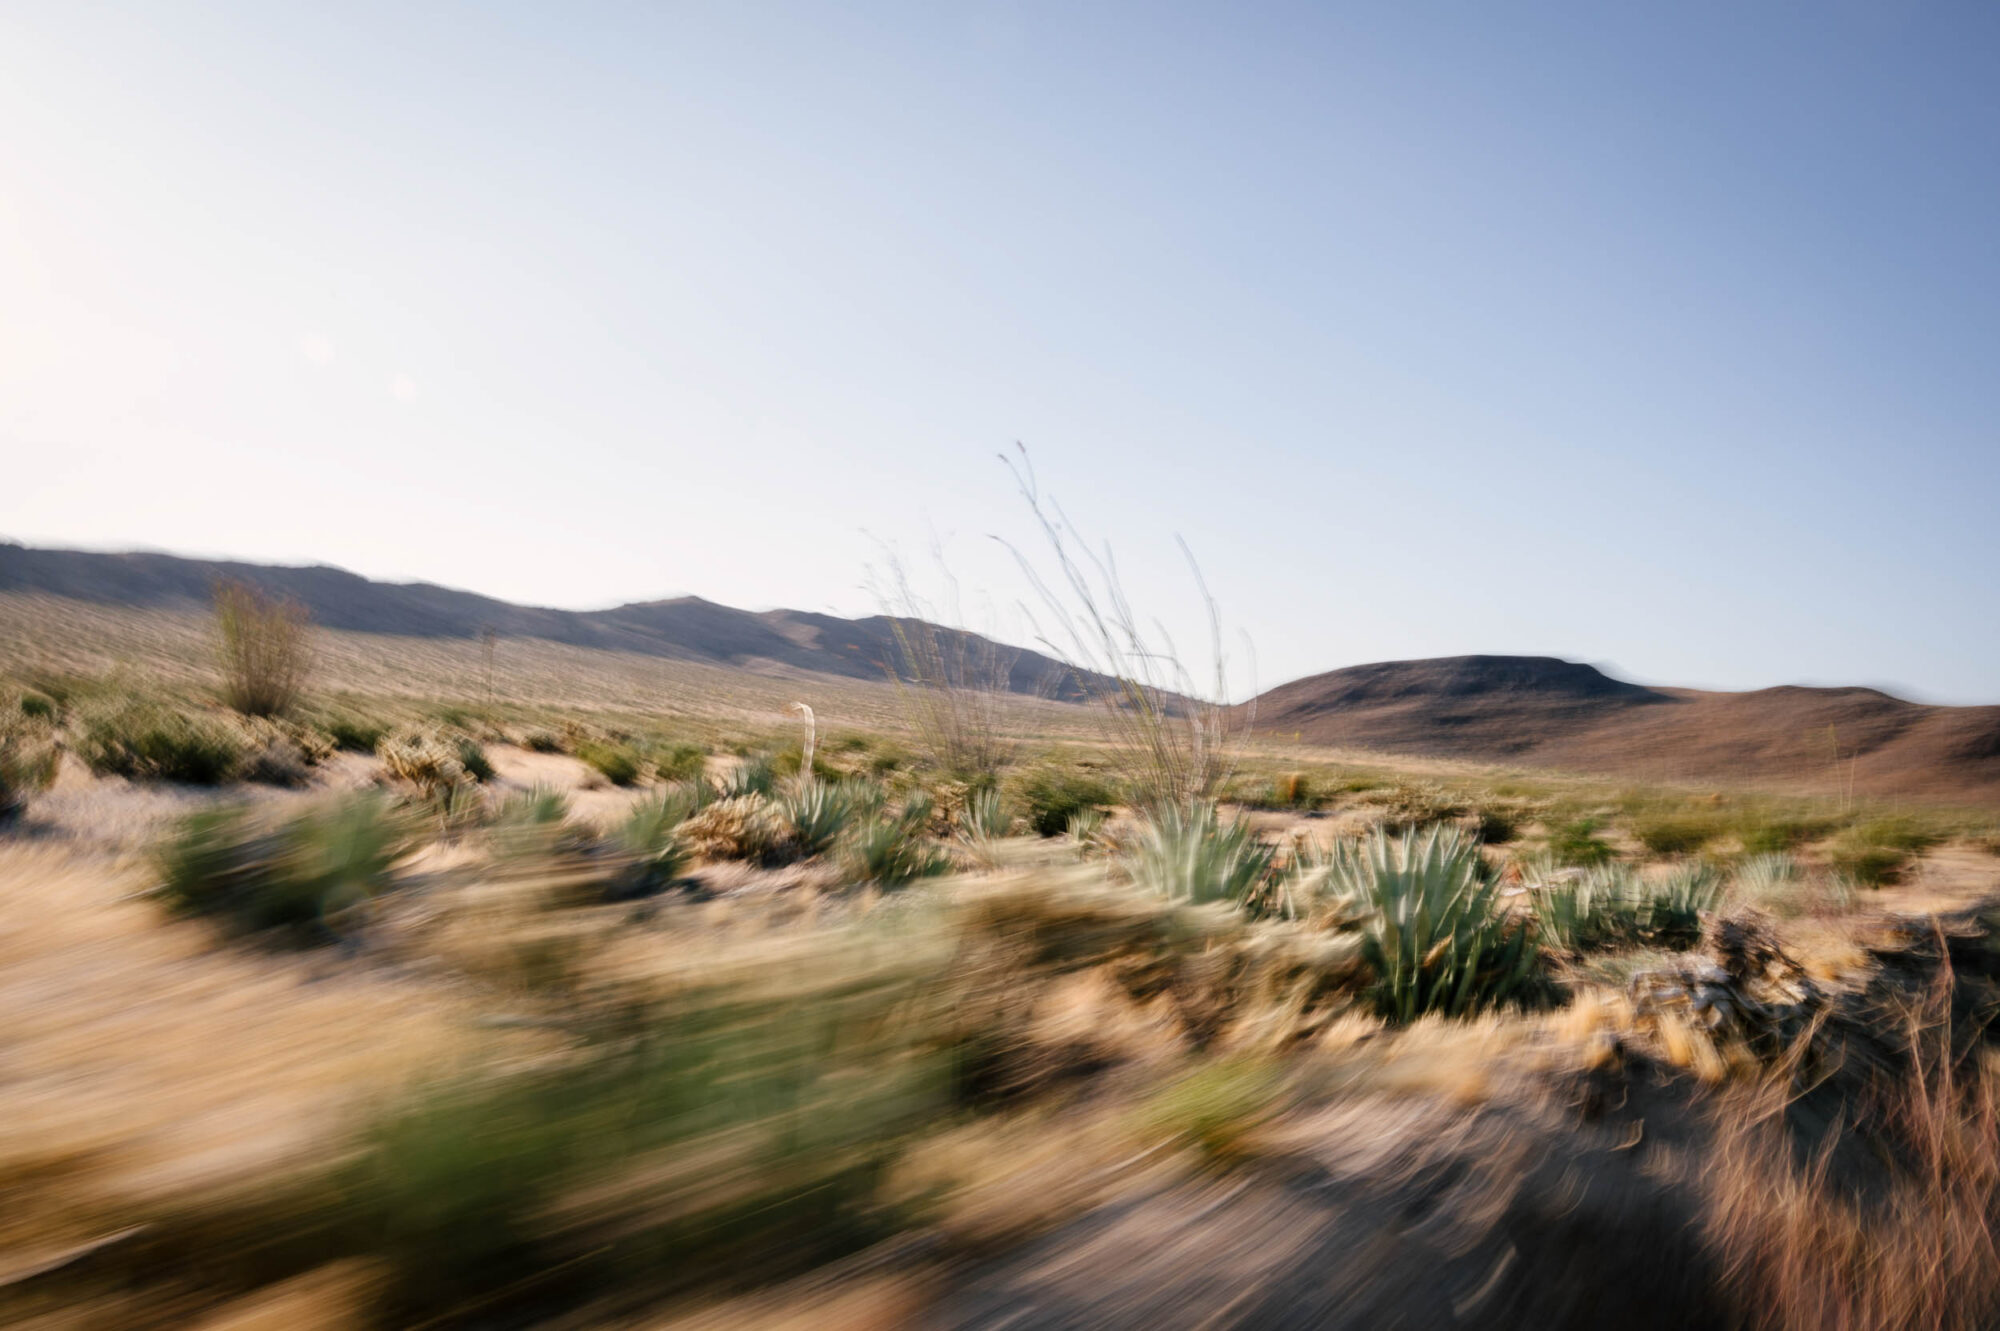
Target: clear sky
1664,336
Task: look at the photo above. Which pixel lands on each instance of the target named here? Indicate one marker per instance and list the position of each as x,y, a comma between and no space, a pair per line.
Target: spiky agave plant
1186,852
1611,906
983,821
891,852
816,814
1433,927
649,849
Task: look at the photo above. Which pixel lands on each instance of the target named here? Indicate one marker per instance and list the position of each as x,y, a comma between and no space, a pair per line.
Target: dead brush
264,648
1888,1219
739,827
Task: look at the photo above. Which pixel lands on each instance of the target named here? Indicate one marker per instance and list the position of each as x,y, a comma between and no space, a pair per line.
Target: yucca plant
982,823
1762,875
649,844
1433,927
891,852
1187,853
754,776
816,813
1611,906
1676,903
533,822
1086,831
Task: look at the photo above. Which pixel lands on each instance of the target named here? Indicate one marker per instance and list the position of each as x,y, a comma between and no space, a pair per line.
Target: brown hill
686,628
1544,712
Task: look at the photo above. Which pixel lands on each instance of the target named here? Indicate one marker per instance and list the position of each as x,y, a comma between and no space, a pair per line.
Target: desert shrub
1052,795
256,873
1188,853
1675,833
277,761
265,653
815,814
142,741
762,1127
617,763
680,761
1407,805
424,759
1433,928
1577,843
542,741
892,852
27,764
1290,790
1878,852
354,733
472,758
1774,835
39,707
1612,906
1496,827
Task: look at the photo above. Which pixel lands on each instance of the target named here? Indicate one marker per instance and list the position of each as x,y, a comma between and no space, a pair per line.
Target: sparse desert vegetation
706,1029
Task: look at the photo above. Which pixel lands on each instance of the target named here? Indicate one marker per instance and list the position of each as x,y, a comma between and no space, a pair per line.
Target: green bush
356,734
1675,834
296,876
1577,843
145,742
1433,927
1497,827
680,761
1773,836
471,755
39,707
542,741
1878,852
1051,796
617,763
1187,853
801,1105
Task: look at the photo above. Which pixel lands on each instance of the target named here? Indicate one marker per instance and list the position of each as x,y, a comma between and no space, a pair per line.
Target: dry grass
1816,1243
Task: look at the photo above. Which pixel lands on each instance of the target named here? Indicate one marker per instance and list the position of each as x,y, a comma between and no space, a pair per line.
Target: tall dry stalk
264,648
1176,739
954,685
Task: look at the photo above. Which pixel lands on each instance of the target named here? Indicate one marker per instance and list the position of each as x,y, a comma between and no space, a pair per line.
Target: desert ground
534,984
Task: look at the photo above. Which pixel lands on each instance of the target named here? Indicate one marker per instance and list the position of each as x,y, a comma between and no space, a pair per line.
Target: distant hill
1544,712
686,628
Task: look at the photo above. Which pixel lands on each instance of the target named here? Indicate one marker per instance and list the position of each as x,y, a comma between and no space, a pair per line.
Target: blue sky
1661,337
